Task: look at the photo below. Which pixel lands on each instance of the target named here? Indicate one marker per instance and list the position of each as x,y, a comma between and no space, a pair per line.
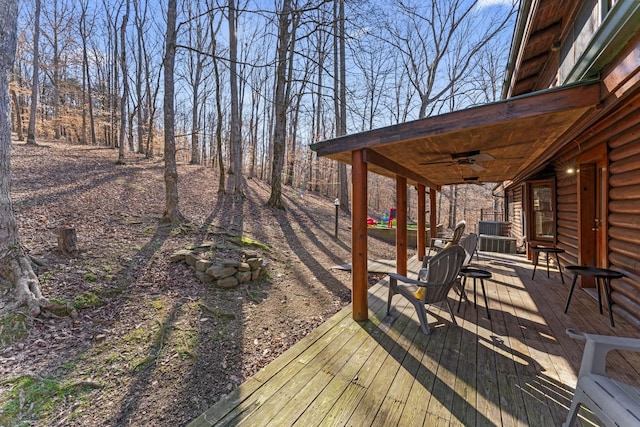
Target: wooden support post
401,225
422,243
433,219
359,277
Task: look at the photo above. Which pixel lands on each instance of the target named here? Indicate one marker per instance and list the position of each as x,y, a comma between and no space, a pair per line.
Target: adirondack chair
469,244
441,243
442,273
613,402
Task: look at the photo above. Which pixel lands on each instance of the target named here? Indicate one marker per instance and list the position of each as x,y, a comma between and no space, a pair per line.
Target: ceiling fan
466,158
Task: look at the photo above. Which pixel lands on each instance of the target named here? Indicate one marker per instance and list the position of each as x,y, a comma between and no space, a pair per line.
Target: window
541,210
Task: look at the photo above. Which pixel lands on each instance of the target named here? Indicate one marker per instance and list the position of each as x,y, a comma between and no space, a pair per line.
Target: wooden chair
469,243
443,272
613,402
441,243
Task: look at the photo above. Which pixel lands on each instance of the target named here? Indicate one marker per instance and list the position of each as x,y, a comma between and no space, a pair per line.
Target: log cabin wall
567,215
624,216
616,131
620,132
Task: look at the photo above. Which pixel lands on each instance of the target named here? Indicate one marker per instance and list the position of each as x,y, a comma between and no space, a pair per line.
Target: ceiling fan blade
475,166
464,154
482,157
439,162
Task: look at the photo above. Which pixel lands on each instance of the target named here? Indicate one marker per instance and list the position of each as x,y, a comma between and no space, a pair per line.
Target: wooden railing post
359,277
433,219
422,243
401,225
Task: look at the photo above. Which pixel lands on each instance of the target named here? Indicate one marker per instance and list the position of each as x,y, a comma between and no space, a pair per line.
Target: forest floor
153,344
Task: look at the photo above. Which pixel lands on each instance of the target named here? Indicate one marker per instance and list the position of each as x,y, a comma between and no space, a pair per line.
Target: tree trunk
18,123
14,263
139,97
83,138
281,104
56,77
125,85
340,96
31,131
152,106
255,113
85,60
216,71
234,135
172,213
195,126
319,126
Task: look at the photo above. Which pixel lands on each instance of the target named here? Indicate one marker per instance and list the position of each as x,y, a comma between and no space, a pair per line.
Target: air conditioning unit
500,244
494,228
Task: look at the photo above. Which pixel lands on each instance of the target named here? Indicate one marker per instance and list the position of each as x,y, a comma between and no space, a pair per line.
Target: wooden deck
518,368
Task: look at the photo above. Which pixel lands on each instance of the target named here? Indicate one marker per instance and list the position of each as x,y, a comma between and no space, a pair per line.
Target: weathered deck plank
517,368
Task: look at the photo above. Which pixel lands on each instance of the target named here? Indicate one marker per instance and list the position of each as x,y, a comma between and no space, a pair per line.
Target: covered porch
517,368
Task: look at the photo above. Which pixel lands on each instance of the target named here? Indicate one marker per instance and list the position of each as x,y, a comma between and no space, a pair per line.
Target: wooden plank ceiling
515,132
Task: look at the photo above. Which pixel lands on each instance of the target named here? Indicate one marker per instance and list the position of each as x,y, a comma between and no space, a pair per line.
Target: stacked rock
228,274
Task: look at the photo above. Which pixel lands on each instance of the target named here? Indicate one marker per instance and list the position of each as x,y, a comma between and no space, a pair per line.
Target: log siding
622,138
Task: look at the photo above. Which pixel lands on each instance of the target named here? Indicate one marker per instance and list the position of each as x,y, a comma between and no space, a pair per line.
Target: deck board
517,368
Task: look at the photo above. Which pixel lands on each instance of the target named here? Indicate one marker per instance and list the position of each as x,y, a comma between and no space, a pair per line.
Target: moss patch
247,241
13,327
86,300
32,398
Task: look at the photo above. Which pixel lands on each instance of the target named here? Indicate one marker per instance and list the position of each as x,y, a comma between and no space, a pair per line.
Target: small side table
547,250
602,275
474,273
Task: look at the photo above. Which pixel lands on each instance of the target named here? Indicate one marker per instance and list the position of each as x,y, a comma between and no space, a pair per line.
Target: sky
487,3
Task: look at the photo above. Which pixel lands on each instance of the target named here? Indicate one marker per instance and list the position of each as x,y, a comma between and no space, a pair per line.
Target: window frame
531,212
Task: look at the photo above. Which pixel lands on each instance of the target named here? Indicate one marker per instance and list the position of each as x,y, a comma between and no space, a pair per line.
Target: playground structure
388,219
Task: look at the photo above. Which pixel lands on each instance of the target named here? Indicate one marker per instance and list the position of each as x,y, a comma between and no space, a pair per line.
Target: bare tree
439,42
59,22
14,263
280,104
318,123
87,93
172,212
235,141
295,113
31,131
18,107
112,73
213,30
340,95
198,35
141,108
152,89
125,84
372,59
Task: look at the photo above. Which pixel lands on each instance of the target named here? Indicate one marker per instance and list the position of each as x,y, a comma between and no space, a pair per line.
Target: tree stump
67,241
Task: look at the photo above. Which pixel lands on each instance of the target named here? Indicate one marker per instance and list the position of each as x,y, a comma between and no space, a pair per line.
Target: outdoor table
602,275
474,273
547,250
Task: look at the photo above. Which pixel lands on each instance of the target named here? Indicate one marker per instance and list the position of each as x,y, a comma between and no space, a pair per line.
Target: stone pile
228,273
